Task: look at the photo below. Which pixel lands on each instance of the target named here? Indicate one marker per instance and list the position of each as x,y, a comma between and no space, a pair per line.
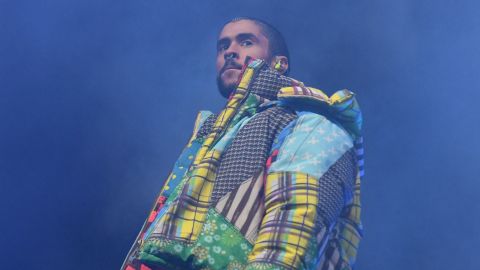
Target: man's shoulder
311,145
340,109
326,129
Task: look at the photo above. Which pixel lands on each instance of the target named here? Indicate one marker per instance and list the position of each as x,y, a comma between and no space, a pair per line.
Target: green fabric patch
263,266
219,246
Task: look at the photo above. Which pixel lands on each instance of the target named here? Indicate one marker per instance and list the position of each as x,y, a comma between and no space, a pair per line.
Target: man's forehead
232,29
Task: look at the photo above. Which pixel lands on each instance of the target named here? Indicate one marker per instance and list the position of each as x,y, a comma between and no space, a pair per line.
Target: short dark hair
276,42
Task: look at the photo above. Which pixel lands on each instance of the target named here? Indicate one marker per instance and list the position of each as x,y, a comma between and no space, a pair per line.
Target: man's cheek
219,64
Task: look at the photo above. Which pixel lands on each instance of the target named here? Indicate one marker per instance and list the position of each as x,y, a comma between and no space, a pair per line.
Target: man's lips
227,69
230,66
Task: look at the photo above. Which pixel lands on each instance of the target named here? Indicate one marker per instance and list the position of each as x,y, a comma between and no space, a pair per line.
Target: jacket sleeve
311,174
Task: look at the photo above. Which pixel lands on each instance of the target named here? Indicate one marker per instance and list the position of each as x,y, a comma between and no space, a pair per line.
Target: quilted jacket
271,182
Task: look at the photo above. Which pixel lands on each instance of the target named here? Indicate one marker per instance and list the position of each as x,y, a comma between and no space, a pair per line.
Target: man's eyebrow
223,40
243,36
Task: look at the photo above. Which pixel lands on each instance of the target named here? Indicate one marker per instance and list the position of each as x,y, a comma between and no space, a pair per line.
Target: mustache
230,64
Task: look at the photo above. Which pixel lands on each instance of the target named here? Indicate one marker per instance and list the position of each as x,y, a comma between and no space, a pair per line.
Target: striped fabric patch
304,92
244,207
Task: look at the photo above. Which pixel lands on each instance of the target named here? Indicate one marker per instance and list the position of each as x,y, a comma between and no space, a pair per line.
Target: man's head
242,37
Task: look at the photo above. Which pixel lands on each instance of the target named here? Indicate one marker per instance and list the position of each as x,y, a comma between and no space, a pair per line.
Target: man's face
238,40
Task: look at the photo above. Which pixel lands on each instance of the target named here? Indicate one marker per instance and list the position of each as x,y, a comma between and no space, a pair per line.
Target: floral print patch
219,246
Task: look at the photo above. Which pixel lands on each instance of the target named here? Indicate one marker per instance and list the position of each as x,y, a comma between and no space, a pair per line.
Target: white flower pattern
313,146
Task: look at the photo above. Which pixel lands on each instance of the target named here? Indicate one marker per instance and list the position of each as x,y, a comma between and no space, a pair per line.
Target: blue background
97,99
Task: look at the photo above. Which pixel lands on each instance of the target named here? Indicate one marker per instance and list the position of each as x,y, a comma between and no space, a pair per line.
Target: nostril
230,55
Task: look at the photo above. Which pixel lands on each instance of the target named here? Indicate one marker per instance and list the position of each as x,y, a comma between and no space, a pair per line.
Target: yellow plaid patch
291,200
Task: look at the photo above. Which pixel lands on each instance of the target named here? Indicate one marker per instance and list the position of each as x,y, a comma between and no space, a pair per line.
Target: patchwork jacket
271,182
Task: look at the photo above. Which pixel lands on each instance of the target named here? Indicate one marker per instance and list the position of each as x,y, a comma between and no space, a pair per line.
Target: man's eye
222,47
246,43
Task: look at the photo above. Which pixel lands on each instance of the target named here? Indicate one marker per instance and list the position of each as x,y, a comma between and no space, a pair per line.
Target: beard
228,78
225,89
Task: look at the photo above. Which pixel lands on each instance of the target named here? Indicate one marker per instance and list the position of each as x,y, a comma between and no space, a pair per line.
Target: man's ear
280,63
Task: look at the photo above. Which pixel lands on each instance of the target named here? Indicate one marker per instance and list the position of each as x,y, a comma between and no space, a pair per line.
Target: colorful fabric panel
185,216
249,150
342,240
243,207
341,106
305,191
219,246
267,185
288,225
313,146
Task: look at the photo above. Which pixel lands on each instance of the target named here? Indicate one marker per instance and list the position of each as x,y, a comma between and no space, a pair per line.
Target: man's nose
231,53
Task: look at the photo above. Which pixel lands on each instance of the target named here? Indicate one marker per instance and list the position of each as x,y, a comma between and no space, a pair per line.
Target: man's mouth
230,65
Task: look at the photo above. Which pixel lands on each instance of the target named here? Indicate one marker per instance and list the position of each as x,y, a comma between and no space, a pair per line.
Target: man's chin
227,81
226,90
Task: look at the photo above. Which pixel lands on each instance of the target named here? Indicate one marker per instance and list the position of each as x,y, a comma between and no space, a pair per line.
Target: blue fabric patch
186,157
181,166
277,143
314,145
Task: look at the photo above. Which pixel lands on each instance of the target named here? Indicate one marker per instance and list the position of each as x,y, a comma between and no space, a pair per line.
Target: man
271,182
